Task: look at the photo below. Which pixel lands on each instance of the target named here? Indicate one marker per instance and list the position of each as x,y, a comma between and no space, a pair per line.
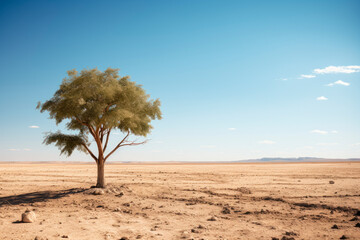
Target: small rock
201,226
354,219
275,238
185,234
212,219
28,217
290,234
195,230
99,191
331,182
120,194
124,238
139,236
40,238
335,227
357,225
357,213
64,236
287,238
344,237
225,210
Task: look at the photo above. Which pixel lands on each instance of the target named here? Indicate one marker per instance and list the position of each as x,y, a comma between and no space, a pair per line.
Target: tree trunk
100,174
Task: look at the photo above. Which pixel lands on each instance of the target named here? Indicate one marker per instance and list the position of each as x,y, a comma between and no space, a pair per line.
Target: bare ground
183,201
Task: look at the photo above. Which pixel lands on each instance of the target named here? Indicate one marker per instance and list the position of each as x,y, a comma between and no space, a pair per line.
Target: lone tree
96,104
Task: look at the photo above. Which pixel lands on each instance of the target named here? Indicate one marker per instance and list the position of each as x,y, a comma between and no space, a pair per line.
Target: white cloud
231,129
337,69
284,79
322,98
319,131
334,131
306,76
14,149
327,144
17,149
34,127
356,144
338,82
266,142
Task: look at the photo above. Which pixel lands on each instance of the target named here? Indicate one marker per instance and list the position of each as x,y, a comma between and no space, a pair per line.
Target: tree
95,104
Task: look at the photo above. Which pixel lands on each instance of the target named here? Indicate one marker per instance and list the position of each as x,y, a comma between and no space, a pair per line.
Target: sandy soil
144,201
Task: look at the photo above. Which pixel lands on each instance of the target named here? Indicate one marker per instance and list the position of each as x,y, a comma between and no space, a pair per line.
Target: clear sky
237,79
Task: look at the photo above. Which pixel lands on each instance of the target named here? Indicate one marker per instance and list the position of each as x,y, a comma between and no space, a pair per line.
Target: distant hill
300,159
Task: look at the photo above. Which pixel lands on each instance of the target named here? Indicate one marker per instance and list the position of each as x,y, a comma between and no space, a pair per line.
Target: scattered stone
344,237
357,213
201,226
139,236
40,238
28,217
124,238
120,194
225,210
290,234
335,227
185,234
357,225
275,238
126,204
99,191
195,230
212,218
331,182
354,219
64,236
129,211
287,238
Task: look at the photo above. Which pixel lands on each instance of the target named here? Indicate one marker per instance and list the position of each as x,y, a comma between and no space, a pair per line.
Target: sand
181,201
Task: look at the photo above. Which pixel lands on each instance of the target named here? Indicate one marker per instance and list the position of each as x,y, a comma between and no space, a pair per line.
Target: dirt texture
181,201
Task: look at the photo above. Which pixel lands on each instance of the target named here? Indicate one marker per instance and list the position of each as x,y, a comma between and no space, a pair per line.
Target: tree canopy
96,103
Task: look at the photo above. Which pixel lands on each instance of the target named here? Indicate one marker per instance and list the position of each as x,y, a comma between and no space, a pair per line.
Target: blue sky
237,79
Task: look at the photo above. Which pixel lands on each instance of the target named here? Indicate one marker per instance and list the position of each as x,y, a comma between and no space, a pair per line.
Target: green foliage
66,143
94,102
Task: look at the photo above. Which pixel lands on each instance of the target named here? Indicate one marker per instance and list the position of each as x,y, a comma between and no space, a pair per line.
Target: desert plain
181,201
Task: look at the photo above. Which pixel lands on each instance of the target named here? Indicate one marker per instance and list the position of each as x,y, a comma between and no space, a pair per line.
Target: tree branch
134,143
89,151
107,139
117,146
87,125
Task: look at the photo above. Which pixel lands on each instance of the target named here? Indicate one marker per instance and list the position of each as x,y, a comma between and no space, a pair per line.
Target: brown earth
181,201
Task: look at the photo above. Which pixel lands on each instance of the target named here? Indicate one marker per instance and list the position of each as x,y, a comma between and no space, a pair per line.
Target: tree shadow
34,197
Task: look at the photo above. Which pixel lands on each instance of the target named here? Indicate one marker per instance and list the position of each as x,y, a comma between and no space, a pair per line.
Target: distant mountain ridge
300,159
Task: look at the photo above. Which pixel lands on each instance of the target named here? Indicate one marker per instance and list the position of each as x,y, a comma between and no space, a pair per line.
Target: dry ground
247,201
